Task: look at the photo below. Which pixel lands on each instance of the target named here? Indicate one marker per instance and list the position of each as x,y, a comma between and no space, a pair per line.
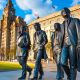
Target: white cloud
26,4
49,1
37,7
75,2
1,7
2,3
29,18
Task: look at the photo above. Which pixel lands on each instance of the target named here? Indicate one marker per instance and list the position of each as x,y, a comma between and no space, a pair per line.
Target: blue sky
30,9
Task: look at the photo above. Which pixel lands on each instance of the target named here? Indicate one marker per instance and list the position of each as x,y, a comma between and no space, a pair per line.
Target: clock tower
8,18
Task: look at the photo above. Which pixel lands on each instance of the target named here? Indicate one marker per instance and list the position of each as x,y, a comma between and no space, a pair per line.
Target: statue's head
24,28
57,27
65,13
37,26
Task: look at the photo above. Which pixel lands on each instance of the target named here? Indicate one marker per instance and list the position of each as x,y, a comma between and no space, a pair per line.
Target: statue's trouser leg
73,62
38,63
60,73
69,53
64,60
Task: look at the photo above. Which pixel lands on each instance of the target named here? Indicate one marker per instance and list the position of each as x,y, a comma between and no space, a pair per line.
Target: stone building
47,24
9,31
0,33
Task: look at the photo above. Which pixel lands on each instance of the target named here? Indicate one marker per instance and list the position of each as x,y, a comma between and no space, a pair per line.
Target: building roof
53,15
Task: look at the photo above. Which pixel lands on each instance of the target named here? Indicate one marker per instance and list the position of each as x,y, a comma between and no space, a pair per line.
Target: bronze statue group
65,41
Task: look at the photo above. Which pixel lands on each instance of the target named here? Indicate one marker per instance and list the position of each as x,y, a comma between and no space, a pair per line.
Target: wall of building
9,30
0,33
47,24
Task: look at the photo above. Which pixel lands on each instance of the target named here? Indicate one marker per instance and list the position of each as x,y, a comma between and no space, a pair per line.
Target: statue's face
37,28
24,23
65,14
57,27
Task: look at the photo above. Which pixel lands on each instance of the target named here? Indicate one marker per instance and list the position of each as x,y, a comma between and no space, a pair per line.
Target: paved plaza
50,73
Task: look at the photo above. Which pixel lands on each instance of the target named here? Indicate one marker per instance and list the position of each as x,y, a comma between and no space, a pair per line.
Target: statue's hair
38,25
57,26
66,10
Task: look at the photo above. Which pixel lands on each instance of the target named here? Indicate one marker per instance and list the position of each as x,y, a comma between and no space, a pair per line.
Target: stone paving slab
13,75
49,73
